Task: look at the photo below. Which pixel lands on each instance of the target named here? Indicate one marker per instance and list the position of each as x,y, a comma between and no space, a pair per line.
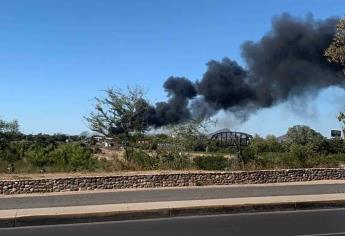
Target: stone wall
177,179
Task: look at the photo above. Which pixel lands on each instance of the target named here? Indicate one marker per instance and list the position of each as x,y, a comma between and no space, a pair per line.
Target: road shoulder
129,211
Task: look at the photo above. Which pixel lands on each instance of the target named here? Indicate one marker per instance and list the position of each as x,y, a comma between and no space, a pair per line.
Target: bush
73,156
8,155
261,145
214,146
38,156
172,156
211,162
335,146
247,154
301,152
143,160
277,160
332,160
174,160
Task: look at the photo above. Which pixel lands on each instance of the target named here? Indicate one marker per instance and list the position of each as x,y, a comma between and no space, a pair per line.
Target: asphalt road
315,222
155,195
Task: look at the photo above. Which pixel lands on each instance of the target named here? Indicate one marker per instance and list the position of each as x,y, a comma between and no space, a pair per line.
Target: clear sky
57,55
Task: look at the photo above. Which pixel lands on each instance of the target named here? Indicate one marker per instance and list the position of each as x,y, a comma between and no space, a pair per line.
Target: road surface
312,222
173,194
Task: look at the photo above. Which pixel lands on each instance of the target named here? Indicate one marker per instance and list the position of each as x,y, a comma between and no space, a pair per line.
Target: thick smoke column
289,60
176,110
285,63
225,85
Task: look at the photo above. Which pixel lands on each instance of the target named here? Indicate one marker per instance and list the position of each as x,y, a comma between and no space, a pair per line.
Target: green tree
9,127
191,135
336,51
273,144
341,118
269,144
9,131
301,135
258,145
122,116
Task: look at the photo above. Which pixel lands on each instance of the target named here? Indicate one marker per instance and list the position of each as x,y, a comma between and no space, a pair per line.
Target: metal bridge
232,139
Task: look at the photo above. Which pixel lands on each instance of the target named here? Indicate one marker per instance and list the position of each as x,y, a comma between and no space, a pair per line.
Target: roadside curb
162,212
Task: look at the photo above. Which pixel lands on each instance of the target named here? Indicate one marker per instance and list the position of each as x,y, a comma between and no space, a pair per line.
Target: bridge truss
232,139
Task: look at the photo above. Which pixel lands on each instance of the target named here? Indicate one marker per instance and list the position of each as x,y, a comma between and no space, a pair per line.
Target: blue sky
57,55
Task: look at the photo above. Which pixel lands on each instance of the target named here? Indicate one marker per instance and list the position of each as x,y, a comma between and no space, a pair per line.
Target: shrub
173,159
261,145
214,146
38,156
73,156
332,160
145,161
247,154
335,146
277,160
211,162
301,152
8,155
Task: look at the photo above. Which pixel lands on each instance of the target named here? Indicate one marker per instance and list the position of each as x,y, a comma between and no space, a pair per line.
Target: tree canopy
336,51
302,135
9,127
120,113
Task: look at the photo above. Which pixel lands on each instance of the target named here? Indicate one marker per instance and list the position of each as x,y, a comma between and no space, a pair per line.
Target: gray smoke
285,63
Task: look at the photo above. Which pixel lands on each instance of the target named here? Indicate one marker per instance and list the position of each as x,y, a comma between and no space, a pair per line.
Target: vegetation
122,116
336,51
302,147
211,162
32,153
187,147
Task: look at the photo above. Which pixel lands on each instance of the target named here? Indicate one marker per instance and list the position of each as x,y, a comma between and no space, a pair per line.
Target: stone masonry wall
178,179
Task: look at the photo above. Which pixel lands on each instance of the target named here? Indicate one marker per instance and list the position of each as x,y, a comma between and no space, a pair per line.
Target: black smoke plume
180,90
285,63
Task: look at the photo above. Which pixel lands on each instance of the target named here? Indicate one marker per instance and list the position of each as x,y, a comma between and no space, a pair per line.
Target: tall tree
336,51
8,132
302,135
121,115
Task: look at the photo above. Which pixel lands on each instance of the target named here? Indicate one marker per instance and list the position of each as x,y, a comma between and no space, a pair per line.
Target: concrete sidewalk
96,213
